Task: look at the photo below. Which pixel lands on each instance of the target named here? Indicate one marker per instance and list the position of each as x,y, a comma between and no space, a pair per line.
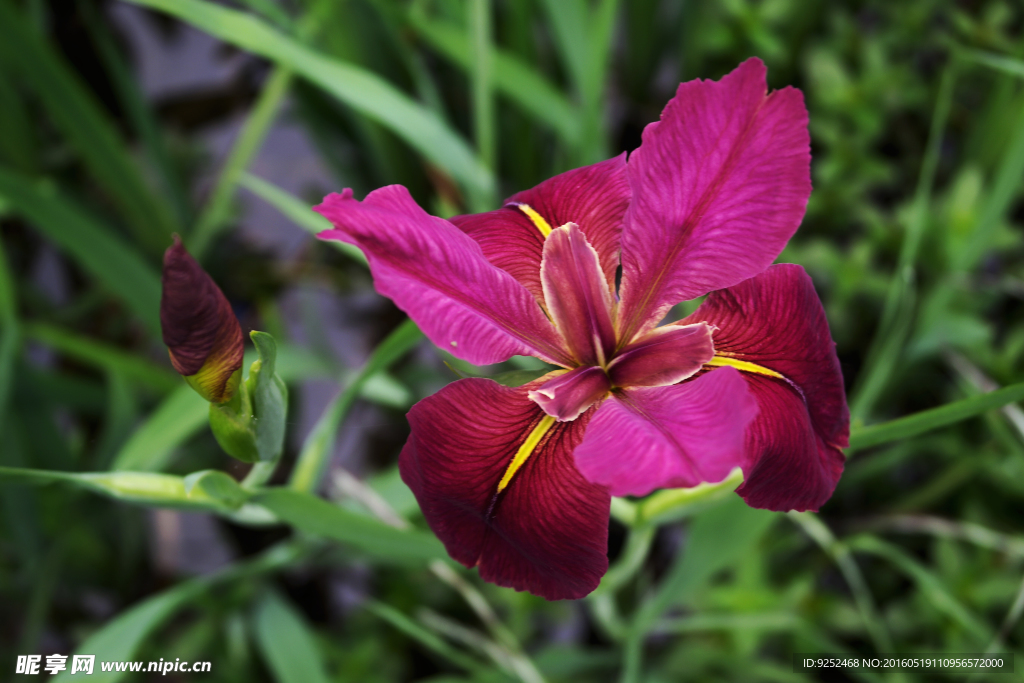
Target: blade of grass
93,245
216,213
142,488
150,447
139,112
704,555
841,555
287,642
358,88
424,637
934,418
10,338
931,586
120,638
1010,65
75,112
512,77
121,414
316,451
479,25
17,137
297,211
104,356
377,540
887,344
1005,187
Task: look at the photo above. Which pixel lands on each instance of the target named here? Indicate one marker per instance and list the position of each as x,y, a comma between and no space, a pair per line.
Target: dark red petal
593,197
792,467
547,531
775,320
196,318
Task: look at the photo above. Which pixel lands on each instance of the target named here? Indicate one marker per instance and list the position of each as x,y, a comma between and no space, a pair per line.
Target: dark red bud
199,328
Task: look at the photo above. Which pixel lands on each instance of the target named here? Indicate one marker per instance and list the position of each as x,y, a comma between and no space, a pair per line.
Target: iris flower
518,481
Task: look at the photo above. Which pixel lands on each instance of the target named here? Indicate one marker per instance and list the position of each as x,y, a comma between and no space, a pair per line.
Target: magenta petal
547,532
663,356
439,276
593,197
665,437
567,396
776,320
577,295
719,185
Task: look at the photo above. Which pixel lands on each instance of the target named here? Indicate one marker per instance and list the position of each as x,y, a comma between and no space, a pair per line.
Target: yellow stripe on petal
537,219
526,450
743,365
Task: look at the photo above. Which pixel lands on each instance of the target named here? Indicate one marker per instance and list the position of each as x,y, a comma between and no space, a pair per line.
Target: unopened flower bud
200,330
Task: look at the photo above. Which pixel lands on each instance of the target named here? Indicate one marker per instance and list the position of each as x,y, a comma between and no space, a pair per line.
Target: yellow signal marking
537,219
744,366
526,450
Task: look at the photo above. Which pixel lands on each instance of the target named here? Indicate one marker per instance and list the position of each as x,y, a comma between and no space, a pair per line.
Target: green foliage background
913,238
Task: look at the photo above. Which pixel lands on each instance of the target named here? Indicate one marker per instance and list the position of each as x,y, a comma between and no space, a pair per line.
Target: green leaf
144,488
524,86
94,246
174,421
360,89
931,586
717,538
81,119
317,449
138,111
10,337
935,418
897,314
1010,65
120,638
263,114
298,212
316,516
105,357
424,637
216,485
269,398
287,642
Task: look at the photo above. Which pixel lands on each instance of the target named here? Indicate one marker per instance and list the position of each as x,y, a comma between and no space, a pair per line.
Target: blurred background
124,122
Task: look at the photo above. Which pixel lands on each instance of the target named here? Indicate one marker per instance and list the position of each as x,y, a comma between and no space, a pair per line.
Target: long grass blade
481,76
316,451
297,211
360,89
10,335
217,211
74,110
139,112
935,418
894,326
525,87
287,642
94,246
103,356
